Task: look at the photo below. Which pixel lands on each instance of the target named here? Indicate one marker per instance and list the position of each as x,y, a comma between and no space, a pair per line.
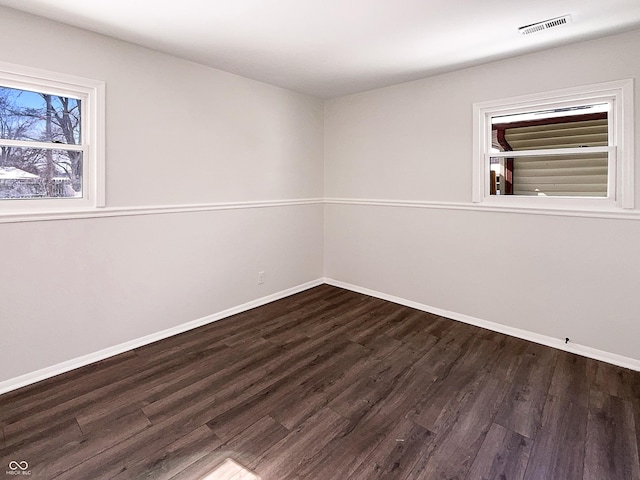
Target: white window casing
619,150
92,96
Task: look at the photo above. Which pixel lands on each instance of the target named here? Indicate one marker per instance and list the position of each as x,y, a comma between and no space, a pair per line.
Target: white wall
180,134
177,133
566,277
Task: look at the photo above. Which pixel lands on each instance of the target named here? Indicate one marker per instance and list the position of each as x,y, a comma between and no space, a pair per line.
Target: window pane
576,175
33,116
39,173
584,126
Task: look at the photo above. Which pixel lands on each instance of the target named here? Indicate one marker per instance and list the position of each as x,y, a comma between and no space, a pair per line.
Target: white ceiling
330,48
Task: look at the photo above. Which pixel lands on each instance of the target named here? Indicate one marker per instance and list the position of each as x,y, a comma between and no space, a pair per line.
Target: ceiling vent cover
545,25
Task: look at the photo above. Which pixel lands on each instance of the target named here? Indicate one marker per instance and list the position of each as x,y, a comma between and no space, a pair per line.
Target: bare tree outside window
34,129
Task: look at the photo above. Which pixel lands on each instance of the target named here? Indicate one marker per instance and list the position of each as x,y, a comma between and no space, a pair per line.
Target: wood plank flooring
330,384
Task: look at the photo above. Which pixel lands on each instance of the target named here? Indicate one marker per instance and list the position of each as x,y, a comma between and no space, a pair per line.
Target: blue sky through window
23,116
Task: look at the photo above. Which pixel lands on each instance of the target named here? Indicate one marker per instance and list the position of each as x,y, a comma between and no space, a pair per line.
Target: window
571,148
51,141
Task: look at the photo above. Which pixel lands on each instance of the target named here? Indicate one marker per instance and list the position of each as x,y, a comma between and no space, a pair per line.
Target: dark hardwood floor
329,384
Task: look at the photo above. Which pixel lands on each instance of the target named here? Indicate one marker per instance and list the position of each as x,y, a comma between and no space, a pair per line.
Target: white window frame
620,175
92,96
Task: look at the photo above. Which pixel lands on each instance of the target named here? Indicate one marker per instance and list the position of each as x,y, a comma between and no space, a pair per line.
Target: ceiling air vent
545,25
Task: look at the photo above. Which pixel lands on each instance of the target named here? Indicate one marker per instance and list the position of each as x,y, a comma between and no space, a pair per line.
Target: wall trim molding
474,207
583,350
208,207
47,372
152,210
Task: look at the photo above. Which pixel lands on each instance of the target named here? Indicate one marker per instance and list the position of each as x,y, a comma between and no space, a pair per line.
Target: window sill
561,210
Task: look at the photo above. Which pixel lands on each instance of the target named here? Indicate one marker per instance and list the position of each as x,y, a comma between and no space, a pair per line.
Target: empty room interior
320,240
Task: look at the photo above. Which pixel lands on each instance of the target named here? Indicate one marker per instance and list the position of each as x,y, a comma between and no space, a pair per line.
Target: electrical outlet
260,278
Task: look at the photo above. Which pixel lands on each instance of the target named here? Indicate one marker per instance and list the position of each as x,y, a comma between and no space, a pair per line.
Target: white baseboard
626,362
33,377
